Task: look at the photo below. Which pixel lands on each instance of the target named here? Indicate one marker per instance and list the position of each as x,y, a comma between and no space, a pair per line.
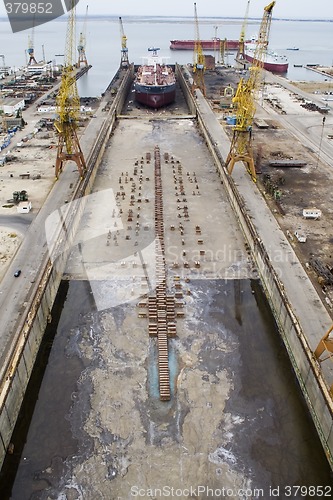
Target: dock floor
226,417
235,418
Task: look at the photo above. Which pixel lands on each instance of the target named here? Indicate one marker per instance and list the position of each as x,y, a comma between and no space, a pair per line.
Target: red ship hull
213,44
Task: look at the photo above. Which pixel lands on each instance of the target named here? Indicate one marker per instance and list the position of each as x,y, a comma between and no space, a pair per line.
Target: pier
319,69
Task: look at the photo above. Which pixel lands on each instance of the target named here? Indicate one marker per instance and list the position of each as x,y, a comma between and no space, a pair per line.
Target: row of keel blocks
160,328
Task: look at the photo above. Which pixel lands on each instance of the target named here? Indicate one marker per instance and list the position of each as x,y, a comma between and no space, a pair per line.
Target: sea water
103,47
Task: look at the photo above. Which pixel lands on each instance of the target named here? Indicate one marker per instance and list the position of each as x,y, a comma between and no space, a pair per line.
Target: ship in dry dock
155,82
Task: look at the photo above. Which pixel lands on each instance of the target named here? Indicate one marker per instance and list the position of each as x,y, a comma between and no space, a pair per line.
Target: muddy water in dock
236,418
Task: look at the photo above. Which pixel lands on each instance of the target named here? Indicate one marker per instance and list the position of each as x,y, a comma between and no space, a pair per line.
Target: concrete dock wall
313,386
180,72
24,348
30,329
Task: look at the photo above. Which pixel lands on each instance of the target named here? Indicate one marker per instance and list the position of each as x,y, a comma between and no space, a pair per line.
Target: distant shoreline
203,19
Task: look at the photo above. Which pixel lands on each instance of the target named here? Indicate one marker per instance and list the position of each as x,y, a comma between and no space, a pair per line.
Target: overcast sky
221,8
301,9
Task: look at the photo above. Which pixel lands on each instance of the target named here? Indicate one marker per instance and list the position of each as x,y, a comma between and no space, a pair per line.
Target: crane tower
68,106
247,90
199,59
124,62
82,60
4,70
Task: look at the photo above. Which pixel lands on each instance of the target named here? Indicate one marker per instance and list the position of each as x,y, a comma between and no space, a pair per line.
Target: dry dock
158,241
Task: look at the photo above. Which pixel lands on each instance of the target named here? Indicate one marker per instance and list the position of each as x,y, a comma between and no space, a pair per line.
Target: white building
39,68
10,105
311,213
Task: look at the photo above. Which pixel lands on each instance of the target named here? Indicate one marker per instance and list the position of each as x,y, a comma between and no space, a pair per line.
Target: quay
319,69
300,315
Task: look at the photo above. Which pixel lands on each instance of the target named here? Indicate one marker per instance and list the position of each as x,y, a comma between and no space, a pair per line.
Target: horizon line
116,16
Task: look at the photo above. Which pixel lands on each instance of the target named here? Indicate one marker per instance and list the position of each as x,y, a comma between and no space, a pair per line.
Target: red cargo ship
213,44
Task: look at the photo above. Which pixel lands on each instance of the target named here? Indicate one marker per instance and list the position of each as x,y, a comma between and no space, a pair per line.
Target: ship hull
155,96
213,44
275,67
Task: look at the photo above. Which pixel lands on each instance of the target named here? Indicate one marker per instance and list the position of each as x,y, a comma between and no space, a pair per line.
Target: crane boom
245,99
199,58
82,43
68,105
240,57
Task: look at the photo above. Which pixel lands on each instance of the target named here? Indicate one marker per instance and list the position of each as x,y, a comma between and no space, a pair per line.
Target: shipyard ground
30,166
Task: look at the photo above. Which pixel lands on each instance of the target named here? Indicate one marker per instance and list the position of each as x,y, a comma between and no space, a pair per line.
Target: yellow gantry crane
199,59
68,106
82,60
124,62
245,99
